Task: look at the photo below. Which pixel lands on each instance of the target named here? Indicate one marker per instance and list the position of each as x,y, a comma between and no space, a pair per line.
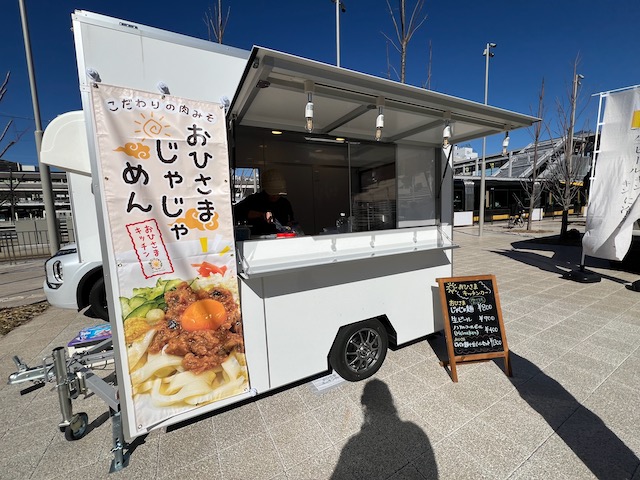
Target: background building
21,193
509,177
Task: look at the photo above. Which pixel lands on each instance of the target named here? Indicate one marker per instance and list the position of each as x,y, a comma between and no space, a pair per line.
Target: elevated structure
21,192
507,176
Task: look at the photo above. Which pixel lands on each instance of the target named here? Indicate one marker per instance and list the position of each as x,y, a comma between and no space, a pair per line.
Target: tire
98,300
359,350
77,428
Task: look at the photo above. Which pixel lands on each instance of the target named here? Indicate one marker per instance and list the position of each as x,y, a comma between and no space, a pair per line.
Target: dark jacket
260,202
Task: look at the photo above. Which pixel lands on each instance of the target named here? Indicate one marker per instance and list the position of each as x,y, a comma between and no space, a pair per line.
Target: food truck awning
273,93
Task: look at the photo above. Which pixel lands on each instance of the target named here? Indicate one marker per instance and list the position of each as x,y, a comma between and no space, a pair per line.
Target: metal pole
487,53
45,176
60,370
337,33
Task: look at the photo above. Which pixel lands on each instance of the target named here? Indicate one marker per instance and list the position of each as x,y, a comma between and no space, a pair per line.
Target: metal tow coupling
38,375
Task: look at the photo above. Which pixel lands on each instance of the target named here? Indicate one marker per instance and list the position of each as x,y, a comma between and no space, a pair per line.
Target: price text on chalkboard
474,329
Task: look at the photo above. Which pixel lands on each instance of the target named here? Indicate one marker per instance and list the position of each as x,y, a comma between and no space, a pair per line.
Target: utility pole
536,140
45,175
339,8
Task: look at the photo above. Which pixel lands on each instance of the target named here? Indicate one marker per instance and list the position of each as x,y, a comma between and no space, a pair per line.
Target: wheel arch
84,286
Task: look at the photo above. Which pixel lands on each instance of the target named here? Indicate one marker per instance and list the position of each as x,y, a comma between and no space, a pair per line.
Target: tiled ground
571,410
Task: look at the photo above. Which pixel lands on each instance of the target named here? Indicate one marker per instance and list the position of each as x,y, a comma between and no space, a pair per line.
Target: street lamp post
488,54
339,8
45,175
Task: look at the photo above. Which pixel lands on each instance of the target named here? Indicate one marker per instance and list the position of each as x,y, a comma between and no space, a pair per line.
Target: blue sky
535,40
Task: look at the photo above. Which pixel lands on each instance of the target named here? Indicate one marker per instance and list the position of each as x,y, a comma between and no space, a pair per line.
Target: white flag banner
614,203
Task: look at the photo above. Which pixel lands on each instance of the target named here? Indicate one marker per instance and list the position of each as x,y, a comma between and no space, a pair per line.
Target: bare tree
390,67
427,84
5,131
404,30
533,189
216,24
8,194
566,171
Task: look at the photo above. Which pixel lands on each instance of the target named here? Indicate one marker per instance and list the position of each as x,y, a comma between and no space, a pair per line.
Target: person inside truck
268,211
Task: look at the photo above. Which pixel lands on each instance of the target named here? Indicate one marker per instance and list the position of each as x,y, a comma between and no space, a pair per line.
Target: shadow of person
385,445
579,428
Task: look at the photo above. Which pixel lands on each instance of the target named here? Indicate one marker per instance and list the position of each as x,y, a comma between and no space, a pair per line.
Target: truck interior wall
417,186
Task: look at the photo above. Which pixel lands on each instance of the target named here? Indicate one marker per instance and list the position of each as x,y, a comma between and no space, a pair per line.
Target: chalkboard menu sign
474,329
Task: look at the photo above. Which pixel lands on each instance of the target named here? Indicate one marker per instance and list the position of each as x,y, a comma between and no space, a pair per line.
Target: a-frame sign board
473,324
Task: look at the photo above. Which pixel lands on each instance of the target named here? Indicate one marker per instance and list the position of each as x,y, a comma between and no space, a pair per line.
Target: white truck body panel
304,308
142,57
64,146
294,303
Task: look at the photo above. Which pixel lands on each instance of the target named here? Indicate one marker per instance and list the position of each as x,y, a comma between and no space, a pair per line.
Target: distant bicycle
517,220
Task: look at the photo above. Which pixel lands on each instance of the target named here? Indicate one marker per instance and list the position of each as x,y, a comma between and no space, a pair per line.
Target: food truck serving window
337,185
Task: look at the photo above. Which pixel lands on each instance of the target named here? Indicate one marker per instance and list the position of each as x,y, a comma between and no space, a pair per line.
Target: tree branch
3,87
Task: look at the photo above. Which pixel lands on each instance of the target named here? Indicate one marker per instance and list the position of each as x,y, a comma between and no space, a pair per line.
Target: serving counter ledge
264,257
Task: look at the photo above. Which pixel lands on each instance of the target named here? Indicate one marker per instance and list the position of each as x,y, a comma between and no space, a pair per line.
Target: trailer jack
73,376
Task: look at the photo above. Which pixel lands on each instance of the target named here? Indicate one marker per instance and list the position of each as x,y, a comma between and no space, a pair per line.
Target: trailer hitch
38,375
73,376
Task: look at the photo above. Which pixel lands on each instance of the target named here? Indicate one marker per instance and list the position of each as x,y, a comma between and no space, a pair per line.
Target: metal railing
24,245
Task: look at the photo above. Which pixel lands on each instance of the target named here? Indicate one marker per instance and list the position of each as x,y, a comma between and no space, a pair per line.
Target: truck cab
74,277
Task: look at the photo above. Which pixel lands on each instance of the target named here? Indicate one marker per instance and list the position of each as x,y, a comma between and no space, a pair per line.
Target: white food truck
202,319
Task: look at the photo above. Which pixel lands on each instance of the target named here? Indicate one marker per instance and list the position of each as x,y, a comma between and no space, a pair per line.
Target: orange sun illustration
151,128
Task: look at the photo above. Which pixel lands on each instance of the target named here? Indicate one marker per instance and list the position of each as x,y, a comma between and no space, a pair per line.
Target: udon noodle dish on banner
184,343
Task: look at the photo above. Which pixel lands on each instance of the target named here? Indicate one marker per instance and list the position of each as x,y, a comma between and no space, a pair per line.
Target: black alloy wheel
359,350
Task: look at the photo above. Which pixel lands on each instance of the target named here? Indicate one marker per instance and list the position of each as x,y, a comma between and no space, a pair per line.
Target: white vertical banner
163,172
614,203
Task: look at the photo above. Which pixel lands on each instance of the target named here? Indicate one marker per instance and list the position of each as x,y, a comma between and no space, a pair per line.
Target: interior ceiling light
379,118
276,132
308,110
323,140
505,143
340,139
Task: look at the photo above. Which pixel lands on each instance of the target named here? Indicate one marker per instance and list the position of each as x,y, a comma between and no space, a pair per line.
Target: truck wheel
98,300
359,350
77,428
